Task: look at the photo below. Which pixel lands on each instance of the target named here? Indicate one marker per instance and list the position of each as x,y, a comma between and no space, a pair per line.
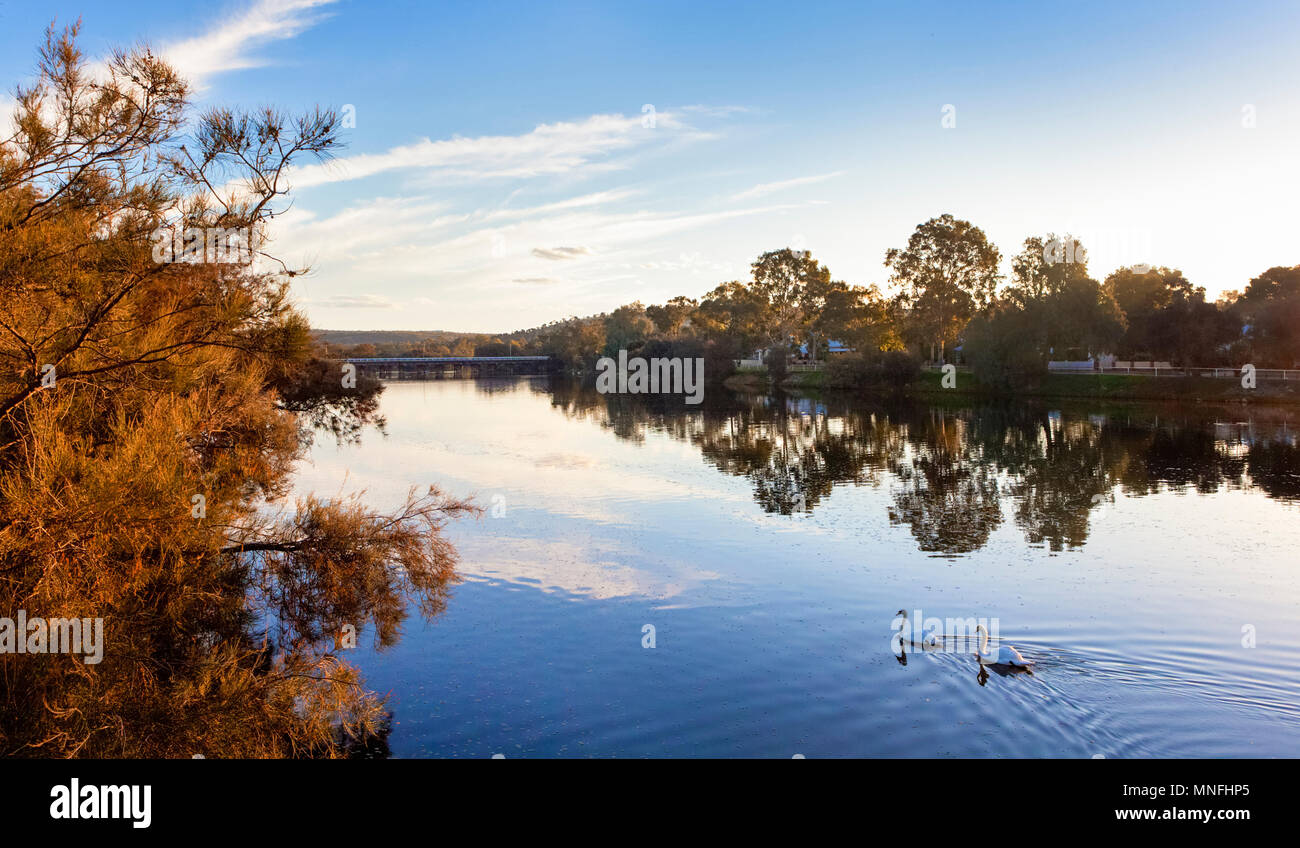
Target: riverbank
1122,387
1088,386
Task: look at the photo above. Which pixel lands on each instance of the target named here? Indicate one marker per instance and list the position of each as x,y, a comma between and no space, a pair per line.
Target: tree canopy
151,413
947,272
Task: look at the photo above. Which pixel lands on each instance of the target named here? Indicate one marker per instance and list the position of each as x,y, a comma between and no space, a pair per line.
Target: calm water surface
1131,552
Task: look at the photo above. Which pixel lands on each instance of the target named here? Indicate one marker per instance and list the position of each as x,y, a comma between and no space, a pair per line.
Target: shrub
995,347
777,368
895,369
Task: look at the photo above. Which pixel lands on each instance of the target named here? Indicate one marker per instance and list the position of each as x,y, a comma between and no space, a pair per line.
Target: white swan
1004,655
928,639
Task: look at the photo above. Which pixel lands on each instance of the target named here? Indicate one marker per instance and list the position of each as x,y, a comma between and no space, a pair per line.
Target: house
759,357
833,347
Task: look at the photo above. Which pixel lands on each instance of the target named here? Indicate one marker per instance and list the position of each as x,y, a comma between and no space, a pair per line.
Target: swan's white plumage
1004,655
928,638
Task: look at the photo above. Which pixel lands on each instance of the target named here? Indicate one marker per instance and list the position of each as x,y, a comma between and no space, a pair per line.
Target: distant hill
401,338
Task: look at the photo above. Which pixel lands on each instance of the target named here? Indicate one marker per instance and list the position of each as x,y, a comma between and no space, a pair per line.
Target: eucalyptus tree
793,287
947,273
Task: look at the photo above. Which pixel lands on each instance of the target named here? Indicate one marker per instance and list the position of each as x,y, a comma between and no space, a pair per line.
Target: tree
792,286
151,413
1000,349
1066,310
1084,316
1277,283
1142,294
574,344
732,314
1169,318
1269,309
627,328
858,316
1191,331
1045,267
669,318
947,272
1275,335
1051,310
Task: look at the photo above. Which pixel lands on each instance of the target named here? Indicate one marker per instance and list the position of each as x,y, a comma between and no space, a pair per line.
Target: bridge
445,367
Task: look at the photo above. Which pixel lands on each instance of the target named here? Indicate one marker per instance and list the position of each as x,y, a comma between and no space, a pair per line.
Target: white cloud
594,199
358,301
486,276
227,44
378,223
547,149
561,253
688,263
715,111
224,46
485,260
768,188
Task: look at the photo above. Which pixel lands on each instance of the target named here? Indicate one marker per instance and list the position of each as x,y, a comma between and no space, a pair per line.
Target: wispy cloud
715,111
473,258
453,224
229,44
594,199
768,188
559,253
547,149
359,301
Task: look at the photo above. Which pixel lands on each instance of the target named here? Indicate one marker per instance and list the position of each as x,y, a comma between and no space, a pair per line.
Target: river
652,578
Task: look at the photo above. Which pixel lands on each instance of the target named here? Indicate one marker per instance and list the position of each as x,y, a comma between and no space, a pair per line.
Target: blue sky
504,170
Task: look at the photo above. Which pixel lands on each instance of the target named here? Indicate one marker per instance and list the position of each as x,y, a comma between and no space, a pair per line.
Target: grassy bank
748,380
1090,386
757,380
1123,387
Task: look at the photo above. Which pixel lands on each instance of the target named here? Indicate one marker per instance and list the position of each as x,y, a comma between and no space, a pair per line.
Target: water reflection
956,474
754,534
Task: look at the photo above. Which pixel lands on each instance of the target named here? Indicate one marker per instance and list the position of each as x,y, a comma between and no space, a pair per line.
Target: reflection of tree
949,493
794,480
1057,487
1178,456
1275,468
794,457
952,467
373,746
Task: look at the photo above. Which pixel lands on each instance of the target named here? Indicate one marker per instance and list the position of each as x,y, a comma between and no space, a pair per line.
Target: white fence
1157,369
1137,369
793,366
1164,369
